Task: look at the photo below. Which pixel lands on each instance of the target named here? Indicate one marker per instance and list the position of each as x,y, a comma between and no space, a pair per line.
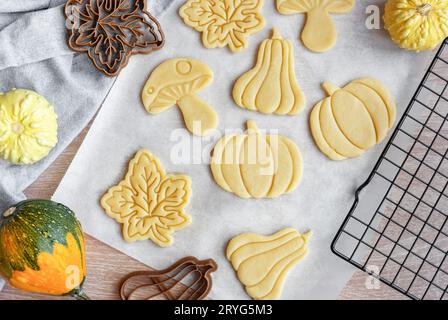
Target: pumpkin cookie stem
330,88
251,126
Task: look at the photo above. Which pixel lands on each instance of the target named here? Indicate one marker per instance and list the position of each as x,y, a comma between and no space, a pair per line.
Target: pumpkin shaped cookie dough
262,262
417,24
28,126
353,119
271,86
176,81
224,22
255,165
148,202
319,33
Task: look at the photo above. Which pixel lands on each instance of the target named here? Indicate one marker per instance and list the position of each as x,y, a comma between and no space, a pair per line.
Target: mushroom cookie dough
319,33
271,86
176,81
352,119
148,202
262,262
224,22
255,165
28,126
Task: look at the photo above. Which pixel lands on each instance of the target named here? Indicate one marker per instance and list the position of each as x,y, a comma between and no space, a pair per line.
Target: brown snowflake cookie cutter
110,31
187,279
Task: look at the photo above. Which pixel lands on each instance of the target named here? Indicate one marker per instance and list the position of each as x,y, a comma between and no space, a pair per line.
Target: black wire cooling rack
397,228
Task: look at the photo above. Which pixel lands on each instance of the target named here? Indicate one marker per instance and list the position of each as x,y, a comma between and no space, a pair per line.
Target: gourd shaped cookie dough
319,33
148,202
262,262
352,119
224,22
176,81
255,165
28,126
271,86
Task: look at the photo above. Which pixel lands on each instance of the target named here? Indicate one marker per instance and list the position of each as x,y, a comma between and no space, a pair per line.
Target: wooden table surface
107,266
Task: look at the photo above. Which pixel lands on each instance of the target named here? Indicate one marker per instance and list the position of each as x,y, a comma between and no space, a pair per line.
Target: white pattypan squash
417,24
28,126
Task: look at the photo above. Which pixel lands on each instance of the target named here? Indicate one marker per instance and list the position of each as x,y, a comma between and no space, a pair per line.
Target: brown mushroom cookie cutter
187,279
110,31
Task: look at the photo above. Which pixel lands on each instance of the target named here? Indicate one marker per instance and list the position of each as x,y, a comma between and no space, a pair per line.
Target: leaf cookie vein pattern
148,202
224,22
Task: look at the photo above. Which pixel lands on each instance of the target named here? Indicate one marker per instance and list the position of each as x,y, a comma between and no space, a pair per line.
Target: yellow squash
255,165
271,86
28,126
262,262
417,24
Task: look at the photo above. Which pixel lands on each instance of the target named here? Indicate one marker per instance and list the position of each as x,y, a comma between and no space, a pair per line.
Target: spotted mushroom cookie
28,126
224,22
148,202
262,262
176,81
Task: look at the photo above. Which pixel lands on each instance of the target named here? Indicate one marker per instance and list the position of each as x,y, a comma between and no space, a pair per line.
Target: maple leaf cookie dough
224,22
271,86
176,81
319,33
353,119
255,165
148,202
28,126
262,262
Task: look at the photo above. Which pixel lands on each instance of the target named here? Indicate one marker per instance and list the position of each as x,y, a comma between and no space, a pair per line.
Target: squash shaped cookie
255,165
271,86
176,81
148,202
319,33
262,262
224,22
352,119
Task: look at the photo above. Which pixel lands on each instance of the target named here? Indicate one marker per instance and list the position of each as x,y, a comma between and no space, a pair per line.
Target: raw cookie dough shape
262,262
319,33
271,86
187,279
111,31
176,81
148,202
353,119
224,22
28,126
255,165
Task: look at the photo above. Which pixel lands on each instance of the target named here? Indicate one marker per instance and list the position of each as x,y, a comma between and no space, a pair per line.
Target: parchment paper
325,194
